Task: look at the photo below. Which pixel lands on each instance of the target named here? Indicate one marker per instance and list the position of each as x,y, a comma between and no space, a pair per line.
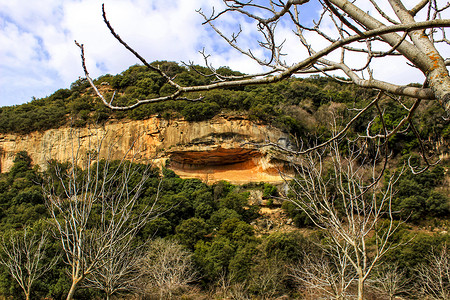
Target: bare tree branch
92,203
326,275
390,280
419,6
119,271
23,254
434,275
330,188
166,268
280,72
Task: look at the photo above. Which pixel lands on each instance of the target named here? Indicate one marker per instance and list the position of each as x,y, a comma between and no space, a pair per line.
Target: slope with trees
218,230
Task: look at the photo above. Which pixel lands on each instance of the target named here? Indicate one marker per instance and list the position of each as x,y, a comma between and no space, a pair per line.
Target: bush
299,217
190,231
417,198
287,247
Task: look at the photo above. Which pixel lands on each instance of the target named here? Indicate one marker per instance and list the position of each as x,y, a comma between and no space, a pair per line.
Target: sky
38,55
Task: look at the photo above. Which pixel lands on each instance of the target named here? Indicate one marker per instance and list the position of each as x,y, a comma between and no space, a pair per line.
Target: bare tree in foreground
267,278
397,31
343,195
94,206
227,289
23,254
390,280
167,268
434,275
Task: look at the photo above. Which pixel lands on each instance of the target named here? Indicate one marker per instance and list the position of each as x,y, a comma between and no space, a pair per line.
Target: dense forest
218,238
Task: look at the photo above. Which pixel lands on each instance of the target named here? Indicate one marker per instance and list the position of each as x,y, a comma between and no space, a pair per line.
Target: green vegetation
215,226
298,106
418,199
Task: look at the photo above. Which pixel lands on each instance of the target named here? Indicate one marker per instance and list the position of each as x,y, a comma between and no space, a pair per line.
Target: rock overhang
214,157
224,148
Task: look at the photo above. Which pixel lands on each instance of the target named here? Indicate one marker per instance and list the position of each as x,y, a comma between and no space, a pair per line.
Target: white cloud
38,55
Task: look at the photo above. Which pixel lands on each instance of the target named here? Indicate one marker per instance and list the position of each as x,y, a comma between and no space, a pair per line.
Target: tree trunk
72,289
421,53
360,284
433,63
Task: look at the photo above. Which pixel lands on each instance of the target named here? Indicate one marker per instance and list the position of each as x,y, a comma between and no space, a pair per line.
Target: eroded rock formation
224,148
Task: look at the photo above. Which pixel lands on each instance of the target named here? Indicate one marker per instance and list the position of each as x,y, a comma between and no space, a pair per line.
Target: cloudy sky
38,54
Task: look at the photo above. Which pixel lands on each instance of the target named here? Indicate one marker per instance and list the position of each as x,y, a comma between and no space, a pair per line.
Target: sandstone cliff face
219,149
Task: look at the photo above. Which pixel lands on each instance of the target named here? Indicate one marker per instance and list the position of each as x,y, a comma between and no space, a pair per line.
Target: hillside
300,108
222,212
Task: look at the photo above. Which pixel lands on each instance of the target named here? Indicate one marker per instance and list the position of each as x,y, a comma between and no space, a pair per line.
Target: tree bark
360,284
73,287
421,52
435,69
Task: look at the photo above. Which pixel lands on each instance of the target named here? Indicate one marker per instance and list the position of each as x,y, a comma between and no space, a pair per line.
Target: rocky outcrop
224,148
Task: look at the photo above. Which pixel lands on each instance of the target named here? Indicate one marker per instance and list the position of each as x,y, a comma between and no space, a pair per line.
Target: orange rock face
236,165
238,173
224,148
216,157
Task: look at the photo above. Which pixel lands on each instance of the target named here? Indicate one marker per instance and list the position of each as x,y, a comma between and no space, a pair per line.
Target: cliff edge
223,148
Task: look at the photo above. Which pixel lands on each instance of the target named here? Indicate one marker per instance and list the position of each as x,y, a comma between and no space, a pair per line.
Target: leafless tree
225,288
23,254
390,280
167,268
434,275
343,195
119,270
412,33
267,278
324,275
94,206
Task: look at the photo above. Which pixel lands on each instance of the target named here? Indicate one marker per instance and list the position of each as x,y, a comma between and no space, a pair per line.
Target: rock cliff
219,149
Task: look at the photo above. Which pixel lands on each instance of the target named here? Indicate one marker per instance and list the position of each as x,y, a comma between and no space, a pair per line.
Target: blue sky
38,55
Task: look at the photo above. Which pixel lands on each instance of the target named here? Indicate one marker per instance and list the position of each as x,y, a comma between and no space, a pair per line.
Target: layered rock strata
224,148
